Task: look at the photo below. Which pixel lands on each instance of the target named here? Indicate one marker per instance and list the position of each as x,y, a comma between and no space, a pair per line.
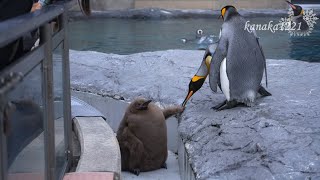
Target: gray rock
158,13
277,138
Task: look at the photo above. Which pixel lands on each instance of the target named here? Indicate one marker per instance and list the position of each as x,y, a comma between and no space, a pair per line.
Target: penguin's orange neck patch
208,61
223,11
196,78
302,12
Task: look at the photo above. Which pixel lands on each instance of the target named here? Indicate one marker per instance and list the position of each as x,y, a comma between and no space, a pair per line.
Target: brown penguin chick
142,136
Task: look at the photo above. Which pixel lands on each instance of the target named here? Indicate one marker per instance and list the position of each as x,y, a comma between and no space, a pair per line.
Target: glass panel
25,141
58,111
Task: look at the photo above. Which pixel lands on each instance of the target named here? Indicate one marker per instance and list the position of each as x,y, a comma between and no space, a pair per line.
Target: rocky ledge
277,138
157,13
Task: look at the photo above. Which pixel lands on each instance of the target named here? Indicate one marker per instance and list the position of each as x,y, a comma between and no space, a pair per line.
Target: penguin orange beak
291,5
187,98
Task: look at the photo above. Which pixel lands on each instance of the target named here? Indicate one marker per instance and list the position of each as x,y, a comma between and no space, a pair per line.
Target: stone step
90,176
100,151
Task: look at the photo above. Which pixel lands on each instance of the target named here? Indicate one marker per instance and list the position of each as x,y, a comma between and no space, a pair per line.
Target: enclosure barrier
47,154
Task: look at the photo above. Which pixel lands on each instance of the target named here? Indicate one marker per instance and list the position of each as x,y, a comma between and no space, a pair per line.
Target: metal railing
15,73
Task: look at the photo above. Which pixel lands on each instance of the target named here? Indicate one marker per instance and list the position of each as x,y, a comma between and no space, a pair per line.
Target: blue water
127,36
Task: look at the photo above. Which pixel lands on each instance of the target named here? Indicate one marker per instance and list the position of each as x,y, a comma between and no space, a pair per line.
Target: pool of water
127,36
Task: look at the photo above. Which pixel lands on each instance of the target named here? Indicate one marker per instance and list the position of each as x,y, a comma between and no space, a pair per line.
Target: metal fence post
3,147
66,89
47,89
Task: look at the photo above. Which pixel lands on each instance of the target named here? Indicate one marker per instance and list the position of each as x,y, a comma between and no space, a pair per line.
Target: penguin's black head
197,81
140,104
297,10
228,11
194,85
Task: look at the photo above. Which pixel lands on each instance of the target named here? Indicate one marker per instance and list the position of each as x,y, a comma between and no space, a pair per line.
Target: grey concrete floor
31,158
172,173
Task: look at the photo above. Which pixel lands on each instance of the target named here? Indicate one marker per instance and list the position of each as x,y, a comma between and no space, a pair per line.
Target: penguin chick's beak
144,106
291,5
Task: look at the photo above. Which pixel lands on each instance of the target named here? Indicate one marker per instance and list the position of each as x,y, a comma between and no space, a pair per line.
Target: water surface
127,36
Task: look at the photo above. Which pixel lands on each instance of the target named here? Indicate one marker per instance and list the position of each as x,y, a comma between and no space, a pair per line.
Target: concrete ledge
98,5
90,176
185,169
209,4
100,151
25,176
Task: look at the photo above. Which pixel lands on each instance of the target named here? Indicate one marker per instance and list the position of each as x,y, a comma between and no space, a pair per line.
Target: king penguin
299,24
236,64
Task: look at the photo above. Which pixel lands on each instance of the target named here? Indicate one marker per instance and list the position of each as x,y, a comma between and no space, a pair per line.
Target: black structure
305,1
39,60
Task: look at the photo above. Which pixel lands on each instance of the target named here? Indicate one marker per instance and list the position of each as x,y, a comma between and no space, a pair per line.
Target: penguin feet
226,105
135,171
164,165
219,105
263,92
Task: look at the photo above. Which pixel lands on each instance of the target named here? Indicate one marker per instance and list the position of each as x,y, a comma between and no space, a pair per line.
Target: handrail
30,21
14,28
25,64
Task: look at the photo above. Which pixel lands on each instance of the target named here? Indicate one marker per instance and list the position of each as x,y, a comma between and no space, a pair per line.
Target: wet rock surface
277,138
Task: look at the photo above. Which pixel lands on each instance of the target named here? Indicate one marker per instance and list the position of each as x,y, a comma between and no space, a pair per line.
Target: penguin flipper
264,60
263,91
123,124
219,54
136,150
167,112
